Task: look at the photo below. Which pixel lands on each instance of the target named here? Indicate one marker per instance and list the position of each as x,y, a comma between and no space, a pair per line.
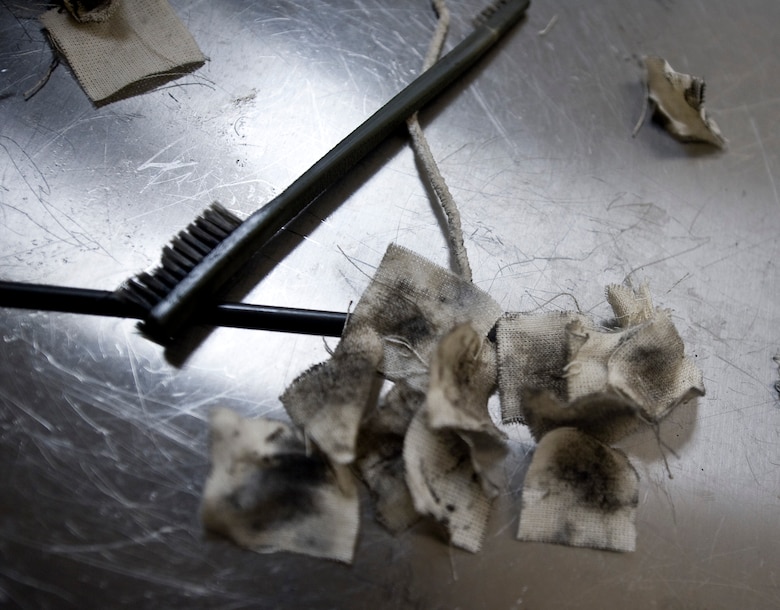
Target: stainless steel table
103,435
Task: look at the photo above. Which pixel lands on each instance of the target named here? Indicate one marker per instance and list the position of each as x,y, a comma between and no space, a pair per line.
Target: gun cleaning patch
267,492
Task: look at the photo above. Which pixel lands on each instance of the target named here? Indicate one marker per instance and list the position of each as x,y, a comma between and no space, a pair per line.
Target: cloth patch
606,417
140,46
463,376
679,104
651,369
645,363
380,457
443,484
579,492
631,307
453,452
642,364
409,305
328,400
267,493
532,353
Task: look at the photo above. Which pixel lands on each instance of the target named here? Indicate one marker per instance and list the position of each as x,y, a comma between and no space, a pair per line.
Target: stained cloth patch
604,416
463,376
453,452
267,493
642,363
443,484
409,305
380,461
533,352
328,400
141,45
651,369
580,492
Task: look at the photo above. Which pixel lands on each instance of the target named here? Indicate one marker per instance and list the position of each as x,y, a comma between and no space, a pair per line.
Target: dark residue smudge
593,471
650,362
275,435
283,490
402,317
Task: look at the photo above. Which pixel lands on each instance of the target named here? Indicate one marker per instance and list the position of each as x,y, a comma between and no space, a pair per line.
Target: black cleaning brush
138,295
85,301
203,259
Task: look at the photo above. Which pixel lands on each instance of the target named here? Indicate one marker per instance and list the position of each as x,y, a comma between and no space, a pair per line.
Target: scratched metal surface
103,437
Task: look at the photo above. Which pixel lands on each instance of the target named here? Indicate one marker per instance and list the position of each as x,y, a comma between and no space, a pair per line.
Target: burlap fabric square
142,45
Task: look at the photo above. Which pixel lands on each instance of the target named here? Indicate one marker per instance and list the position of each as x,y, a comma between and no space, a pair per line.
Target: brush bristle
490,10
184,252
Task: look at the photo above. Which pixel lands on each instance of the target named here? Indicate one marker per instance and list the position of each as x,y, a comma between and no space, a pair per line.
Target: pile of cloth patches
427,447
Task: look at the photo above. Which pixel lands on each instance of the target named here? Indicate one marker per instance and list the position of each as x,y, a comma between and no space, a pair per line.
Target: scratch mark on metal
666,258
765,159
164,167
741,370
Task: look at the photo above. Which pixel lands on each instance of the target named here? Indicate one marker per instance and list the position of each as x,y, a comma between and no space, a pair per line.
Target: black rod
65,299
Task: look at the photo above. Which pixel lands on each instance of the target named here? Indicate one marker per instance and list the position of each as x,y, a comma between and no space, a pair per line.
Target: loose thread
642,117
655,425
549,26
44,79
404,343
328,348
572,369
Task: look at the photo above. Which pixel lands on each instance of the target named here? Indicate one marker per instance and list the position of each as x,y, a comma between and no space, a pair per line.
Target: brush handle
175,311
237,315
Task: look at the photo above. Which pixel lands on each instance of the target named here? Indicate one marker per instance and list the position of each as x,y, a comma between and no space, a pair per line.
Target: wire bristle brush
194,268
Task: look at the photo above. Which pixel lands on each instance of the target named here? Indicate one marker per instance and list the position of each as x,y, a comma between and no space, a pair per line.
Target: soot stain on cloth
533,352
651,369
651,362
402,317
329,400
579,492
380,461
267,491
591,469
284,489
